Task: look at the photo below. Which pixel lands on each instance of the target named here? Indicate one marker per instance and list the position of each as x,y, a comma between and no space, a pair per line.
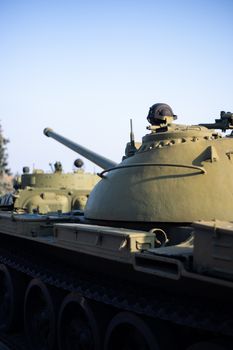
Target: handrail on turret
201,169
97,159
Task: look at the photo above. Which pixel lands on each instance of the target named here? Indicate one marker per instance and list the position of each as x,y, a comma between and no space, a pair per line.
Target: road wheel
127,331
77,326
12,287
39,317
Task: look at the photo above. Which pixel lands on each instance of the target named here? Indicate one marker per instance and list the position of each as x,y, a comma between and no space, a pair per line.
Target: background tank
179,174
40,192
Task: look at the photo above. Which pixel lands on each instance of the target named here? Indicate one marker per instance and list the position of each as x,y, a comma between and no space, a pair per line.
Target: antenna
51,166
130,149
132,143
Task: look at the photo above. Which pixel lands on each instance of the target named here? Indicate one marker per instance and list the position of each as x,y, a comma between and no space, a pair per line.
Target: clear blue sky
85,67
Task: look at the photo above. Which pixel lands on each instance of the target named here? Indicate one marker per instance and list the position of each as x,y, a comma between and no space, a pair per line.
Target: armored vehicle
147,265
40,192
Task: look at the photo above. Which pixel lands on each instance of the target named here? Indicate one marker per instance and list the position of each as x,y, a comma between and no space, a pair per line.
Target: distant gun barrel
97,159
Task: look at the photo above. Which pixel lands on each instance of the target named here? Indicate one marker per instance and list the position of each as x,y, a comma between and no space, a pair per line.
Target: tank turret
180,174
40,192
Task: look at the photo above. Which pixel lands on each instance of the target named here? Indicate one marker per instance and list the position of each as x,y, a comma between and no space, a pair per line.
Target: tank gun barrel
97,159
224,123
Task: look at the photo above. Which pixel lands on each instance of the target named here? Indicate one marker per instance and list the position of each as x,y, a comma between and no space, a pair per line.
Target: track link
12,342
125,296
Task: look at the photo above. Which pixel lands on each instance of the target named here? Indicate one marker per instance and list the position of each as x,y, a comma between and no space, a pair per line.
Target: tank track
12,342
125,296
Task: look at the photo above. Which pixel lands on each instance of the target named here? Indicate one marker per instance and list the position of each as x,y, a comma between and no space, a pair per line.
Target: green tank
40,192
147,265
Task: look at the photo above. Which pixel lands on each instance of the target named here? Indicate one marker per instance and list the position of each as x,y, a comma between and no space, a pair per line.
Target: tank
41,193
147,265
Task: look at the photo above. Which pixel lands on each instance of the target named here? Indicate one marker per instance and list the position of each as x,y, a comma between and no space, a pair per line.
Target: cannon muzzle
97,159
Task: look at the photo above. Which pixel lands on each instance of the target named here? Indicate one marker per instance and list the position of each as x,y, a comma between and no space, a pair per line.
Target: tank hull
104,265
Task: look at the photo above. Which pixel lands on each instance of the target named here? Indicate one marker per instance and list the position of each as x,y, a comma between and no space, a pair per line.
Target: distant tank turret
40,192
